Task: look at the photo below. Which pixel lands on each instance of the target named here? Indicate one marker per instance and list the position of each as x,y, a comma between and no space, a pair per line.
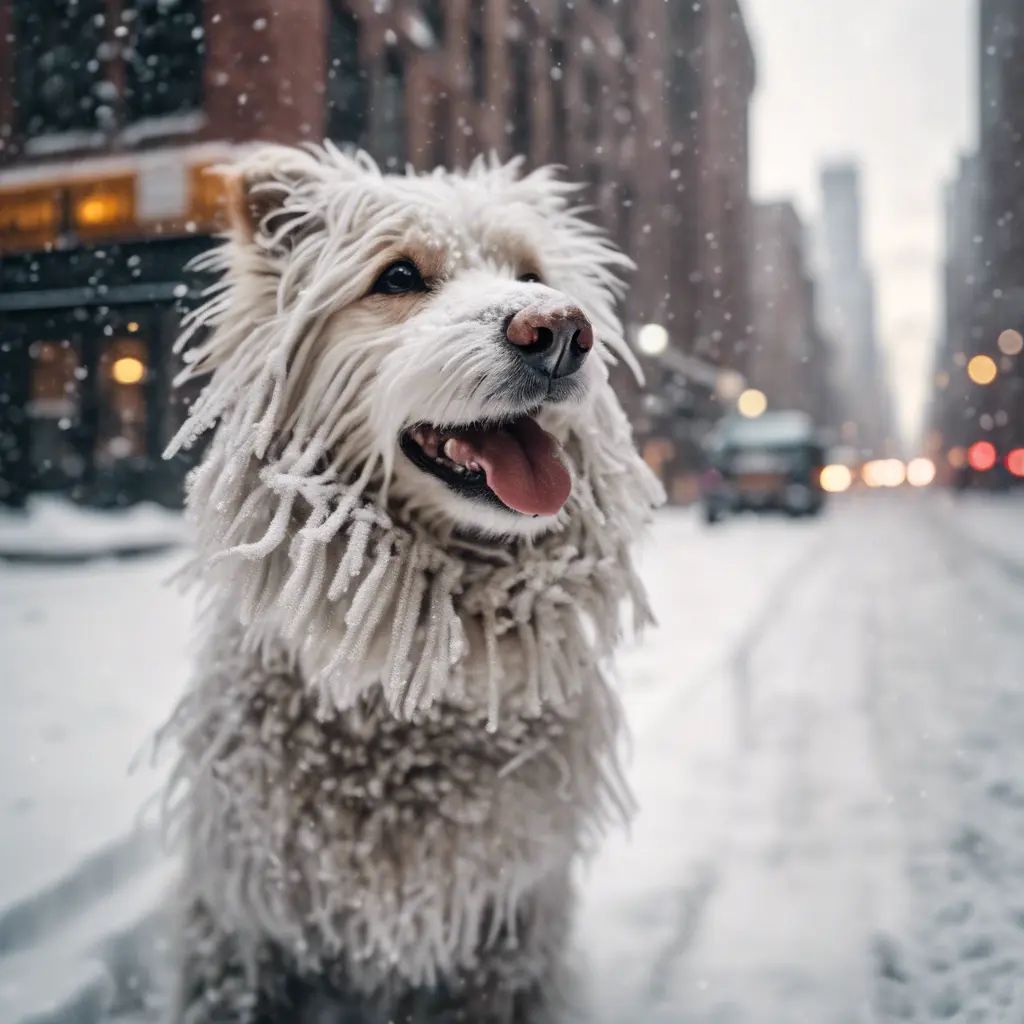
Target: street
825,751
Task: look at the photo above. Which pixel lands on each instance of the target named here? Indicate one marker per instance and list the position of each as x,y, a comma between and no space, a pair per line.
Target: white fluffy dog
413,525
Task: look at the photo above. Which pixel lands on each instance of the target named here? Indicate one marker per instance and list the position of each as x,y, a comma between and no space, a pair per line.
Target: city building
951,417
788,359
978,384
111,112
846,308
996,411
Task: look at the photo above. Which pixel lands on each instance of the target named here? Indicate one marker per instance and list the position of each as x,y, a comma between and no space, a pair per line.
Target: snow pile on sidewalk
54,529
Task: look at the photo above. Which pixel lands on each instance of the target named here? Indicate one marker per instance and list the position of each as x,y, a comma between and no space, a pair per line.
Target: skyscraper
847,312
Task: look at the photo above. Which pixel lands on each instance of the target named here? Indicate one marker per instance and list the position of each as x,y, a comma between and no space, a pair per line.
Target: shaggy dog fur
400,733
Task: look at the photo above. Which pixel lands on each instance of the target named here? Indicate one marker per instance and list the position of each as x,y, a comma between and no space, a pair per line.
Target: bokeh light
1010,343
652,339
884,473
128,370
836,479
1015,462
957,457
982,370
920,472
752,403
982,456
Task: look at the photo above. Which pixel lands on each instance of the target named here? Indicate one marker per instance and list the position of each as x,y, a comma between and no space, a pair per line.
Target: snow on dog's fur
400,734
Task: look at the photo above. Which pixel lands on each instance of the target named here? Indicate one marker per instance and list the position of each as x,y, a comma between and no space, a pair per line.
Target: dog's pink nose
553,339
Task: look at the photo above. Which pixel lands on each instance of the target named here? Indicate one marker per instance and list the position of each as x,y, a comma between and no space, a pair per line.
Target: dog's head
441,336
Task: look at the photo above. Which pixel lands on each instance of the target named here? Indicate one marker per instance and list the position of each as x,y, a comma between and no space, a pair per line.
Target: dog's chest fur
379,840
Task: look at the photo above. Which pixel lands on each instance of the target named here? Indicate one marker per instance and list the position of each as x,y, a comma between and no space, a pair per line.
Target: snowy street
826,751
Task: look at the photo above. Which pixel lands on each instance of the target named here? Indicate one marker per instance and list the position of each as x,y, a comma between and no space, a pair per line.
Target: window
389,108
348,87
683,94
591,104
477,43
522,98
59,81
442,119
559,106
164,63
433,11
627,203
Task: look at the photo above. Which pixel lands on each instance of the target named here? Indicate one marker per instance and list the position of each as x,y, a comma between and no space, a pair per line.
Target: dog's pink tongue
522,466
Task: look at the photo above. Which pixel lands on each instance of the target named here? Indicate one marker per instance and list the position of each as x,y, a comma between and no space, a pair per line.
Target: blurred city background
110,113
822,198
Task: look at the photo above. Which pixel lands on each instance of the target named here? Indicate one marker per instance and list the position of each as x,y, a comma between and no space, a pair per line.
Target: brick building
110,110
788,357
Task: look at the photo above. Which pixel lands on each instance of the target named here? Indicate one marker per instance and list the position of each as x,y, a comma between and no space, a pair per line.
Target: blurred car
771,463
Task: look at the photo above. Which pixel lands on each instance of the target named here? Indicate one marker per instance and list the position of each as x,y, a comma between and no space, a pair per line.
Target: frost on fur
401,729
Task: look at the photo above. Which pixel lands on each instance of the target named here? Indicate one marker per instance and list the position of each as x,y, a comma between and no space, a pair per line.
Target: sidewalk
52,530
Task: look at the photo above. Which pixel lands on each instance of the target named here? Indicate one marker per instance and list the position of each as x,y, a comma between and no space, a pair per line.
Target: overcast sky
892,83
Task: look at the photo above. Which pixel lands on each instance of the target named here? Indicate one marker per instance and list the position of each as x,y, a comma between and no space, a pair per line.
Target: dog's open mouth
516,462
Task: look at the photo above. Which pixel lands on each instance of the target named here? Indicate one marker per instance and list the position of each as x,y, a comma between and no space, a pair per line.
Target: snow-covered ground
51,529
826,755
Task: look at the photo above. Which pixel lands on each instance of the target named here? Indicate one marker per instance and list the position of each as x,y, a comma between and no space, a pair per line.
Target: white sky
892,84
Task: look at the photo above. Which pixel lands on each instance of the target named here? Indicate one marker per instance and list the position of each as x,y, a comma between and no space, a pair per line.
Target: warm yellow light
97,210
982,370
836,479
920,472
128,370
957,457
652,339
132,327
1011,343
752,403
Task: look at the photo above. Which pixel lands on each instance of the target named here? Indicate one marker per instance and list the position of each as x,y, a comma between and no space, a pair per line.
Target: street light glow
752,403
652,339
982,370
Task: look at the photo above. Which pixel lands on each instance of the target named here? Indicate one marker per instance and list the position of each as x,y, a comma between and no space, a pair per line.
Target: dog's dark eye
530,278
400,278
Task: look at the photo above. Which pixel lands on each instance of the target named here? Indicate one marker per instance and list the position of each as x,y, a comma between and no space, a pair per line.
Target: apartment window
60,84
389,109
439,142
433,11
348,86
627,215
522,98
477,42
559,104
591,104
683,92
164,61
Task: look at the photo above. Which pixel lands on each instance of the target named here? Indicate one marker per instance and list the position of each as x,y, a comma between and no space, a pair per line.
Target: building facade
111,112
983,273
787,359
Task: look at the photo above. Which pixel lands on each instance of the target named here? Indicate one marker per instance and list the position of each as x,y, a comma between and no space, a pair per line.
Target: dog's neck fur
328,572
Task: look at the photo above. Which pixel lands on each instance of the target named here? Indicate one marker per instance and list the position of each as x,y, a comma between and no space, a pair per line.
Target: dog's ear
272,196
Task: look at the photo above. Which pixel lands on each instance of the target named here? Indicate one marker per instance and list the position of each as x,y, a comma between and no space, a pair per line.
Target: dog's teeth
448,446
473,466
